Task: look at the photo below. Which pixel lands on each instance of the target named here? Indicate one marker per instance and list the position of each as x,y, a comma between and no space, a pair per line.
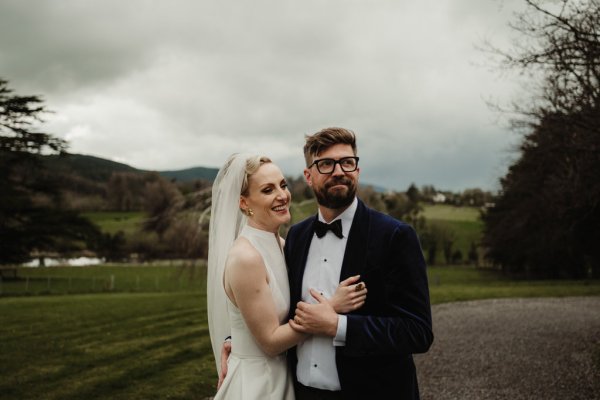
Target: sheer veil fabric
226,223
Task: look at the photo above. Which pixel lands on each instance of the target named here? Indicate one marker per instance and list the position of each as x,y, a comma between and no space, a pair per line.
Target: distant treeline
176,212
91,183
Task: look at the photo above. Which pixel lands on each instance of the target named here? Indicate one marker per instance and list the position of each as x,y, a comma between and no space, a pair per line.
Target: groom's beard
336,199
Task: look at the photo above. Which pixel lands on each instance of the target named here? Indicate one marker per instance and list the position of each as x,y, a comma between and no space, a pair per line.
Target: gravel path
539,348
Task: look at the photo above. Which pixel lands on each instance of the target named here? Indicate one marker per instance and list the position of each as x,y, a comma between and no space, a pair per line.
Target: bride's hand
349,296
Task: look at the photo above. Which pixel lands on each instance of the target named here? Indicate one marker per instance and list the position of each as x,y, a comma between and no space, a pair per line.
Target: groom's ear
308,176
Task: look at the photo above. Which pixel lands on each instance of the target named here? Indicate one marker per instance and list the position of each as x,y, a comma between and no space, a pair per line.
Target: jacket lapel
304,239
355,257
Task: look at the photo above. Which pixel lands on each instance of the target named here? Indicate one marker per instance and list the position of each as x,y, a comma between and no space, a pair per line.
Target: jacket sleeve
397,320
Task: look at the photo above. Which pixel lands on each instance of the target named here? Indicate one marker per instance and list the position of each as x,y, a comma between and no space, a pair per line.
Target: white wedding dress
251,374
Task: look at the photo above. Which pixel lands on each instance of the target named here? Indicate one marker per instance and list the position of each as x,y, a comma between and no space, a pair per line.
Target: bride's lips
280,208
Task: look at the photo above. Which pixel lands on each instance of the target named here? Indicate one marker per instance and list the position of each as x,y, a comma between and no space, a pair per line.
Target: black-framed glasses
327,165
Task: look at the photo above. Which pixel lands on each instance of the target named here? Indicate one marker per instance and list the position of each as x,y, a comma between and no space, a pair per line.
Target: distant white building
439,198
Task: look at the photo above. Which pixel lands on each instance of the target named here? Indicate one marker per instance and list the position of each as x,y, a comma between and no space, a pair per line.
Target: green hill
191,174
88,167
99,169
84,181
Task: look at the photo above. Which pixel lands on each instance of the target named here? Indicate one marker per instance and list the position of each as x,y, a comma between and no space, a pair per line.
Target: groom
368,352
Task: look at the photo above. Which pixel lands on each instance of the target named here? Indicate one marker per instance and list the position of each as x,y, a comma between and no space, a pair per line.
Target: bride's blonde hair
252,165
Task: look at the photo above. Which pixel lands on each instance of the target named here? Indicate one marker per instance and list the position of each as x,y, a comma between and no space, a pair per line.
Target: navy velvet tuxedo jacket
394,322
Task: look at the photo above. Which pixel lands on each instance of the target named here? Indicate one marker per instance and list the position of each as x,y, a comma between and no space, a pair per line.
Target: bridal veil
226,222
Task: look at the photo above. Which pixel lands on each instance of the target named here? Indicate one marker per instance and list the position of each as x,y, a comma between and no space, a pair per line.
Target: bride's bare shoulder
243,254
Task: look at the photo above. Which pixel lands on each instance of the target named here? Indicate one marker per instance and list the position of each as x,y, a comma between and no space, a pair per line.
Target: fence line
70,285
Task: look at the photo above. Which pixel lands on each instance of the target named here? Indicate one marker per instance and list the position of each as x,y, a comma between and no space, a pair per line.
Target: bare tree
546,221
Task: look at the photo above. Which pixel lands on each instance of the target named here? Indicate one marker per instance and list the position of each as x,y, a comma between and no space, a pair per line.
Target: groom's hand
225,351
349,295
320,319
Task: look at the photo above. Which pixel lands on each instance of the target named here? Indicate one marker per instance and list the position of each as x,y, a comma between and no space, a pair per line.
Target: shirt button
325,259
315,365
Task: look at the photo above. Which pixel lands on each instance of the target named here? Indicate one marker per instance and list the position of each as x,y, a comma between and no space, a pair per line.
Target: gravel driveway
539,348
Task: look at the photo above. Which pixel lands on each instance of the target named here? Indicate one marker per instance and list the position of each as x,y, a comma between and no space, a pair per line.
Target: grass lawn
458,283
101,346
155,345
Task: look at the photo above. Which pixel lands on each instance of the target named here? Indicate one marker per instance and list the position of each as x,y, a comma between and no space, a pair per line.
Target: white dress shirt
316,355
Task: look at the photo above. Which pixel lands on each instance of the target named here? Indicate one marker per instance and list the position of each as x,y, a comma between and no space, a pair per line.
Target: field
459,283
112,222
302,210
118,346
152,342
140,331
144,338
166,276
464,222
443,212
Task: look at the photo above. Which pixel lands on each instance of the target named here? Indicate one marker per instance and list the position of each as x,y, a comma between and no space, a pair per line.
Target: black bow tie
321,228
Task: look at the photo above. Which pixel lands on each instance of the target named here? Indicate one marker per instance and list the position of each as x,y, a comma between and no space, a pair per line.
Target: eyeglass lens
327,165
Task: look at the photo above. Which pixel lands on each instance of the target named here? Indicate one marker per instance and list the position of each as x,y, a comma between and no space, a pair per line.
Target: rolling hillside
100,169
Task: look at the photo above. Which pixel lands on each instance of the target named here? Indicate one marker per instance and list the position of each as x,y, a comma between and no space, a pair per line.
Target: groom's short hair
317,143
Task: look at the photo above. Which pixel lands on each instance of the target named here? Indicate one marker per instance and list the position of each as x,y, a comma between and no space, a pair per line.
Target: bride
247,286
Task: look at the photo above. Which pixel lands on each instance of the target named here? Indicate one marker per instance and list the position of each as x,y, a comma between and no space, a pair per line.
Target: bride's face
268,197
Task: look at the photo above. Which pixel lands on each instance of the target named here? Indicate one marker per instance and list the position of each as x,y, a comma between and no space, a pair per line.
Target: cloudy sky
167,85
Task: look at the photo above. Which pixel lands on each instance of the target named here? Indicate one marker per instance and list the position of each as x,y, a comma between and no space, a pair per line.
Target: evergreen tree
32,219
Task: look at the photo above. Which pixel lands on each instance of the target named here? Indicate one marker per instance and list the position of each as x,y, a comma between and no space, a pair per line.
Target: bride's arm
246,283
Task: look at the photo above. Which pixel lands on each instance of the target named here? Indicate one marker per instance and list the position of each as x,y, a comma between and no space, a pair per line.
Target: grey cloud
183,83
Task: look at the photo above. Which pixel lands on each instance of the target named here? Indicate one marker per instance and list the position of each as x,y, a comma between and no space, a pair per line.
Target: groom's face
338,189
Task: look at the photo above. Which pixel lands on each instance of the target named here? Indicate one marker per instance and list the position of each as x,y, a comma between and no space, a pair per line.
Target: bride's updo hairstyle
252,165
